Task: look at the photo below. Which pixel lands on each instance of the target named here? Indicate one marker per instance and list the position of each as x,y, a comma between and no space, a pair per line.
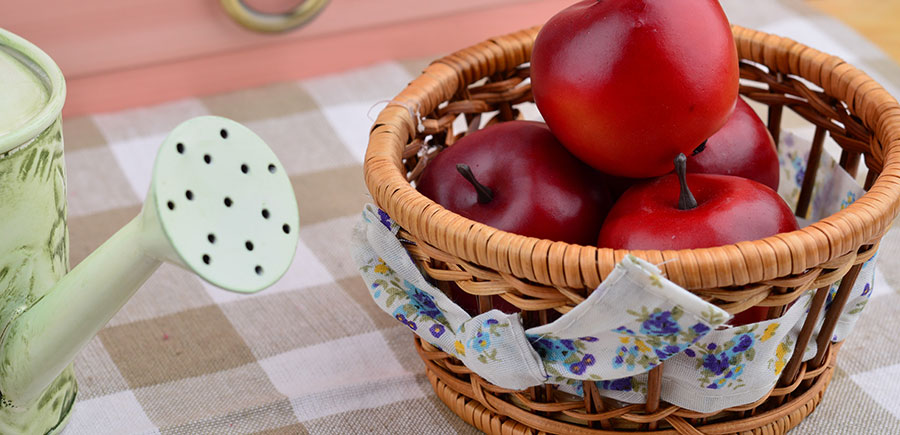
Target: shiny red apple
716,210
532,185
743,147
515,176
657,215
626,85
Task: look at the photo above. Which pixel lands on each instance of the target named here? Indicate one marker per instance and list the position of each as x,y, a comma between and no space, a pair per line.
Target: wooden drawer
118,54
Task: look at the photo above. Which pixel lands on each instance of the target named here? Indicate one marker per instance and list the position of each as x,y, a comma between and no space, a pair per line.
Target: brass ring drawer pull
273,23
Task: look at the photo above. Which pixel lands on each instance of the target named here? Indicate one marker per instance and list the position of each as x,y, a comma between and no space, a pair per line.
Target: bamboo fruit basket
540,276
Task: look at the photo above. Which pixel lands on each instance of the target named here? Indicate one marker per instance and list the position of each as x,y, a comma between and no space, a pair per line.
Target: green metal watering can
220,205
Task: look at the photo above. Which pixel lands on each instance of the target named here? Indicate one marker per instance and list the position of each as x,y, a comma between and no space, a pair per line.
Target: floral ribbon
739,365
633,322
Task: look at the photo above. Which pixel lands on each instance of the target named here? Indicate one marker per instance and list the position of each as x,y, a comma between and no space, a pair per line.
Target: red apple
743,147
537,188
515,176
728,210
626,85
716,210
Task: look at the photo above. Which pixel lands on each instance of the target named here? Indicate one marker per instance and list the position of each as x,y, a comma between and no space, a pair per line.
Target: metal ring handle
272,23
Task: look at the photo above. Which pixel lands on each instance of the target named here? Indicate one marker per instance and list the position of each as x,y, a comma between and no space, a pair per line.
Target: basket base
778,420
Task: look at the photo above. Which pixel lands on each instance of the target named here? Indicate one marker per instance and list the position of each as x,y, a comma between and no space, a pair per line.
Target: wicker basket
541,276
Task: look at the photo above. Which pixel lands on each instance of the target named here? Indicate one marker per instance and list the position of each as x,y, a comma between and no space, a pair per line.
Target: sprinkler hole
179,147
206,259
211,237
207,158
249,245
189,195
228,202
245,169
272,168
223,133
265,213
286,228
171,205
258,269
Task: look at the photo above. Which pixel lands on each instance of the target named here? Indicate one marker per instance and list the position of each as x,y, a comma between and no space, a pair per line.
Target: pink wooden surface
118,54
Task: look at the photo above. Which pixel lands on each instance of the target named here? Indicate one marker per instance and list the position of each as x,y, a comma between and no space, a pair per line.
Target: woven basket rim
773,257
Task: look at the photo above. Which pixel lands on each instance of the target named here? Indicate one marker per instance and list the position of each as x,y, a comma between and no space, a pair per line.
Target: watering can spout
45,338
220,205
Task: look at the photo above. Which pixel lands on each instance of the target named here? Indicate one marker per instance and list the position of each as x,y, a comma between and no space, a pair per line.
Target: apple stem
485,194
686,200
699,149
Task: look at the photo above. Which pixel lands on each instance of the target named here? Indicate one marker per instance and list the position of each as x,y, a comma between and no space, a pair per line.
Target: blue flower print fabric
635,320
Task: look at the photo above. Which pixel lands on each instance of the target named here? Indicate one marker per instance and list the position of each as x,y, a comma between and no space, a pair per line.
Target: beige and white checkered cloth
314,354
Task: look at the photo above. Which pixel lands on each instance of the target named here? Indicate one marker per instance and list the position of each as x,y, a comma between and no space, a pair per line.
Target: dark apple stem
686,200
699,149
485,194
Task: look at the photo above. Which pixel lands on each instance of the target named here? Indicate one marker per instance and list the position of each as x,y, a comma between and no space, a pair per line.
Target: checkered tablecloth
314,354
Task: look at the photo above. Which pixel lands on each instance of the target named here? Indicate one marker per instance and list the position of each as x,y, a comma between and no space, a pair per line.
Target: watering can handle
273,23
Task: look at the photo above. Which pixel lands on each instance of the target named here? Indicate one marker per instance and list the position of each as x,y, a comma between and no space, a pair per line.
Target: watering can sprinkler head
220,205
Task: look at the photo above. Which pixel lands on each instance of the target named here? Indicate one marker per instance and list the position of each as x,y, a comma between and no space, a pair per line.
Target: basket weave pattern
541,276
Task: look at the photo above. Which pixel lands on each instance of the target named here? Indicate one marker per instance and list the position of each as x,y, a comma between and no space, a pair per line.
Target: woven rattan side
485,83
